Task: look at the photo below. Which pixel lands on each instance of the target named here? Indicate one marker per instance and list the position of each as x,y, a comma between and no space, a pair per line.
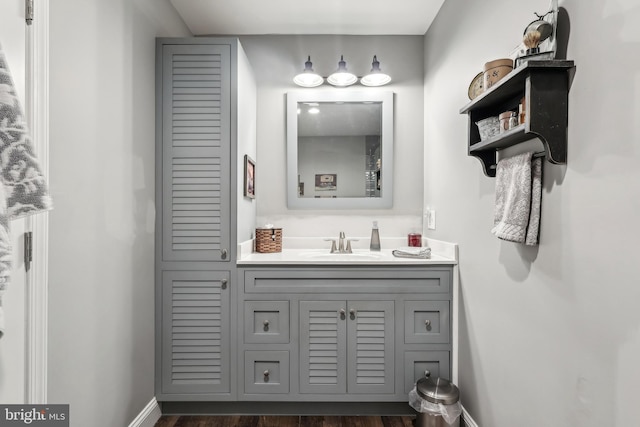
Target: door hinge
28,250
28,12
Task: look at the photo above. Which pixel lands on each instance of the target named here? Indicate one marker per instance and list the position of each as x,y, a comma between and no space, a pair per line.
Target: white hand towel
412,252
518,196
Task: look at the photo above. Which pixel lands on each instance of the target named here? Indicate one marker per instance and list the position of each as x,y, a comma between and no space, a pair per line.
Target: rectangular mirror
339,149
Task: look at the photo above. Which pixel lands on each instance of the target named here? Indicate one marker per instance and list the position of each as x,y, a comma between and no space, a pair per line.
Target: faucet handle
348,249
333,245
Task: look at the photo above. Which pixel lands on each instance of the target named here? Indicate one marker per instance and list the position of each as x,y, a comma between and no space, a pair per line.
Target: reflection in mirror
339,149
339,141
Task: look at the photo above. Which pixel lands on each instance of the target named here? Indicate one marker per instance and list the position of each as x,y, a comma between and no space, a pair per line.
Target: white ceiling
368,17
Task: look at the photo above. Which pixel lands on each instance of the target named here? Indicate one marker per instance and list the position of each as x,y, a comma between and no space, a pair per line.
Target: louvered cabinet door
322,347
370,348
195,332
196,150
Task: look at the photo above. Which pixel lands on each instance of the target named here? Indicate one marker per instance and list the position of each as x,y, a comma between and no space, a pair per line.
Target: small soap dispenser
375,238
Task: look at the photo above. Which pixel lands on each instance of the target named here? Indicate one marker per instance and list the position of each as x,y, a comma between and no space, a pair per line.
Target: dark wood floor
281,421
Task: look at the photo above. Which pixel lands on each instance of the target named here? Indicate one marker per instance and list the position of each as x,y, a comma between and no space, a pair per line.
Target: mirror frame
385,201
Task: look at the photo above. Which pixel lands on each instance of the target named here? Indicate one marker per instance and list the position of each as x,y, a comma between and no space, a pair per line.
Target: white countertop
306,251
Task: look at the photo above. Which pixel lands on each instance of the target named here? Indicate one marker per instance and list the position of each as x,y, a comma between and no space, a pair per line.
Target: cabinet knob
266,325
342,313
266,375
427,373
223,284
352,313
427,323
223,253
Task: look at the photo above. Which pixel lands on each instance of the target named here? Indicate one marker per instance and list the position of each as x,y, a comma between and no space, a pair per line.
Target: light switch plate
431,219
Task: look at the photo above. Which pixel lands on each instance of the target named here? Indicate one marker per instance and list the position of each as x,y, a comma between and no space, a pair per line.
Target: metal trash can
437,402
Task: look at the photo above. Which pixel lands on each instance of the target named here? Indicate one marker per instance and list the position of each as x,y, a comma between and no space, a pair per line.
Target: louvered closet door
195,332
196,152
370,349
322,347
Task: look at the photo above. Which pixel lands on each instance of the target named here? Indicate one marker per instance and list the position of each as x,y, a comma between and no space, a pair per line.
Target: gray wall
246,142
275,60
101,309
549,335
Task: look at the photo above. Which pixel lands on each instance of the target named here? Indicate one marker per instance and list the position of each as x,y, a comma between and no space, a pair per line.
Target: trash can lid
437,390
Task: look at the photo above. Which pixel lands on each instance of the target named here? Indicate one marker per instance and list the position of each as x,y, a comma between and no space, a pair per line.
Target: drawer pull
266,374
427,323
223,284
266,325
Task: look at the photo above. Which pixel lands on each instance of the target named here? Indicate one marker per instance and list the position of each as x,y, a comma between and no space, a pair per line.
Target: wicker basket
268,240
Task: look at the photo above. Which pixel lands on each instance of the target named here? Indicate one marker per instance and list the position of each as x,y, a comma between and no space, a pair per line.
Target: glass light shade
308,78
376,77
342,77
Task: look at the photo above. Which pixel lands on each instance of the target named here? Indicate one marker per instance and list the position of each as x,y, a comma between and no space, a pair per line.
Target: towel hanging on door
23,190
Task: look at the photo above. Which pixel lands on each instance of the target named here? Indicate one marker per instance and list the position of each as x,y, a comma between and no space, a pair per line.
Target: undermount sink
343,256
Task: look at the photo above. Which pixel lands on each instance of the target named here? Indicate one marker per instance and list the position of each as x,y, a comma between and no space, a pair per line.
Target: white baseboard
467,420
149,415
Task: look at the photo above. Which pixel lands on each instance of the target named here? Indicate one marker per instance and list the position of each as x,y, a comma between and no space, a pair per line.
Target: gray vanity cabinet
346,347
342,333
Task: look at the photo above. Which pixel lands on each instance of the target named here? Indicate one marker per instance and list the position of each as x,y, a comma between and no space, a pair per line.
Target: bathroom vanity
341,333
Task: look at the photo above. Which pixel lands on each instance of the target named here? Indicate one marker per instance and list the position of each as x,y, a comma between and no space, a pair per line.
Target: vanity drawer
339,280
417,362
266,322
426,322
266,372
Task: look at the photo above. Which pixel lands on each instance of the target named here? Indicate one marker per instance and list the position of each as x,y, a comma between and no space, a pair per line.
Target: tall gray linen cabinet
205,124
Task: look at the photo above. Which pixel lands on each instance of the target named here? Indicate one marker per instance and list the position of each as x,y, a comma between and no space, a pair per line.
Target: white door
13,343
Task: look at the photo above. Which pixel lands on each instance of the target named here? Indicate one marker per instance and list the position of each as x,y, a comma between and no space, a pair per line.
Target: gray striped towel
23,190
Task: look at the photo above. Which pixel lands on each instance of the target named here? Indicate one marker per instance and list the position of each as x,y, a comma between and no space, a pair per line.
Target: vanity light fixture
308,78
342,77
376,77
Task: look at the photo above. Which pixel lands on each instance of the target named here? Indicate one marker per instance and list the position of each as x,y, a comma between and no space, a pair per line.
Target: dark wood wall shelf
545,86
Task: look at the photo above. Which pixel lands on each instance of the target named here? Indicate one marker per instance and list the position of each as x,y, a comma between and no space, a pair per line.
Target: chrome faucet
341,243
341,248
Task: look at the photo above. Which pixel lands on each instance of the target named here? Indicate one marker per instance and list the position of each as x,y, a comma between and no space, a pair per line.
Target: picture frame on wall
249,177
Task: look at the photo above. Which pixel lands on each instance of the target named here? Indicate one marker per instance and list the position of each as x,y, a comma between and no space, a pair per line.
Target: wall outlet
431,219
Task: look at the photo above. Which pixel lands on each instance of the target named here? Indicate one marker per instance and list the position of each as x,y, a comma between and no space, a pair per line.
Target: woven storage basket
268,240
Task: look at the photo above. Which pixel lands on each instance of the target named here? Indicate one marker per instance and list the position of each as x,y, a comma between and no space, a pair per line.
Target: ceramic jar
495,70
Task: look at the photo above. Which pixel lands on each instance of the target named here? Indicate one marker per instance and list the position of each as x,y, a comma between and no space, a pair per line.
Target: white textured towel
23,187
518,197
412,252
